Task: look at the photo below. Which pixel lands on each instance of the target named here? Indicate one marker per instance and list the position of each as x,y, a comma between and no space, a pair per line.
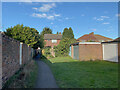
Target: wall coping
110,42
89,42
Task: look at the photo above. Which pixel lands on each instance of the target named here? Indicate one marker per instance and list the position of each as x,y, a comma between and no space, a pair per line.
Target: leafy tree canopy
25,34
46,30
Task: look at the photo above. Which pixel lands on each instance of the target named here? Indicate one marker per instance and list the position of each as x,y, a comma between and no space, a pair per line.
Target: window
54,41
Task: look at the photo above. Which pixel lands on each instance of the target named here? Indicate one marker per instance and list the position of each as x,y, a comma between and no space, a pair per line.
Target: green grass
71,73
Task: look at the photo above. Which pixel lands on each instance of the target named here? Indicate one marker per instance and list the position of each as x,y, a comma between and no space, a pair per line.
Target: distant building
91,37
52,40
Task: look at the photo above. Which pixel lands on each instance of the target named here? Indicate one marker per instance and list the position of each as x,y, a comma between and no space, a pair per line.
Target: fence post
28,52
21,53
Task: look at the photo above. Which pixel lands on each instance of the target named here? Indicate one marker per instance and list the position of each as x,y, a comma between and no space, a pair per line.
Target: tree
68,33
57,32
46,30
71,35
40,42
65,33
63,48
24,34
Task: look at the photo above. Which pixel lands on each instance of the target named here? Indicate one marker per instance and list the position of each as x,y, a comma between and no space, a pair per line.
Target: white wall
110,52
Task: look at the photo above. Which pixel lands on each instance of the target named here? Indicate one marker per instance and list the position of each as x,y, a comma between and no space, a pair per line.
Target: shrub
47,53
63,48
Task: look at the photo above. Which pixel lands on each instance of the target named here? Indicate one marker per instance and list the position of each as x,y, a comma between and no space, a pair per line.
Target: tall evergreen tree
68,33
63,48
71,35
65,33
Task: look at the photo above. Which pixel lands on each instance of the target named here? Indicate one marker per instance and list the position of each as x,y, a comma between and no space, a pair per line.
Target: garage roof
117,40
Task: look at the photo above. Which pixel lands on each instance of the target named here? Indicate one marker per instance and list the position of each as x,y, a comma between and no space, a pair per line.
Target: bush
63,48
47,53
50,56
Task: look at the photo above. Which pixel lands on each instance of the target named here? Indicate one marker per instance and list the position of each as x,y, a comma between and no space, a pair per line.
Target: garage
110,51
107,51
76,52
85,51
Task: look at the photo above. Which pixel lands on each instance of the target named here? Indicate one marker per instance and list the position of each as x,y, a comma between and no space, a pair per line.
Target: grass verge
71,73
25,77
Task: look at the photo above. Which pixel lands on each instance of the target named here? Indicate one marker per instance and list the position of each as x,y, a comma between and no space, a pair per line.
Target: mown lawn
71,73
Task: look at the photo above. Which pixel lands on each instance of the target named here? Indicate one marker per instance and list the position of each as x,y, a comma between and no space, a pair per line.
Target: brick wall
10,53
90,51
10,57
49,43
30,54
25,53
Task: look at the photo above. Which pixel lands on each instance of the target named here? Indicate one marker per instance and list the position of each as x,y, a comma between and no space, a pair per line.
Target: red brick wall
10,57
30,54
49,43
90,51
25,53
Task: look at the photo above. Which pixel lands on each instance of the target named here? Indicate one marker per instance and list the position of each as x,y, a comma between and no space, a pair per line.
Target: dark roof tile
53,36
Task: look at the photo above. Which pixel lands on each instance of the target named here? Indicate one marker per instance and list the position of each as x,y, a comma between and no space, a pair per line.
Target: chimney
92,33
59,32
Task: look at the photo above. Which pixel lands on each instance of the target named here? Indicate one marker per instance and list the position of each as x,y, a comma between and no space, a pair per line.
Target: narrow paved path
45,77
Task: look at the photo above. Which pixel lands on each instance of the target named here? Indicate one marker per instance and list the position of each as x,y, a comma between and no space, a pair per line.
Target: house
93,37
52,40
111,50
